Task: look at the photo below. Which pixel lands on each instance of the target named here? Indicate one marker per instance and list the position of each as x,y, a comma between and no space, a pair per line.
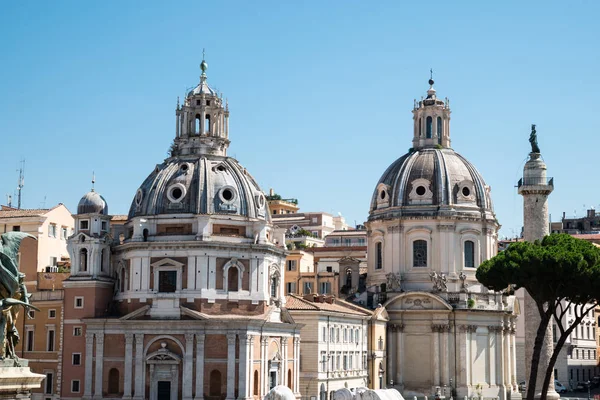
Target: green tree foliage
557,272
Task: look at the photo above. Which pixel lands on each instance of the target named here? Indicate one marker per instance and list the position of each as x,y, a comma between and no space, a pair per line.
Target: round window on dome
382,195
261,201
227,194
420,190
176,193
466,191
139,196
184,167
221,168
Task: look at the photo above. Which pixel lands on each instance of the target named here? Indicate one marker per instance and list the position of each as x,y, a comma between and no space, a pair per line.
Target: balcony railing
536,182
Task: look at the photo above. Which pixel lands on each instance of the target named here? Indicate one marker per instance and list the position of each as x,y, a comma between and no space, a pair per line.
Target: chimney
271,192
329,299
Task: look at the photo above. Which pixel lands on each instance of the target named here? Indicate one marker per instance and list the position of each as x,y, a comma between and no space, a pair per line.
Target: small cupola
92,214
202,122
431,121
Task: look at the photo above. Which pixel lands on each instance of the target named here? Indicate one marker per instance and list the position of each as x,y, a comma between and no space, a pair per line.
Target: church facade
431,224
186,299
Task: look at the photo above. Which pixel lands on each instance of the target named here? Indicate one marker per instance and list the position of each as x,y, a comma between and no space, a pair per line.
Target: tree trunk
552,362
535,358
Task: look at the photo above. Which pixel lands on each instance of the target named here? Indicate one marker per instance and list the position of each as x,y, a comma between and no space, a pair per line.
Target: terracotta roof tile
10,212
297,303
119,218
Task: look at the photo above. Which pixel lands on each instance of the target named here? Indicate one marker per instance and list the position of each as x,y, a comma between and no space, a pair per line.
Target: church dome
92,203
430,181
200,185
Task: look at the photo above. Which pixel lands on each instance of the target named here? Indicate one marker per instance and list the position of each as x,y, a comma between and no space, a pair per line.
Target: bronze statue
533,140
12,293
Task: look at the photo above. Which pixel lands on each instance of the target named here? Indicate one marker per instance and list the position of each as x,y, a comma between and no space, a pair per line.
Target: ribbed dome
430,181
92,203
202,88
192,185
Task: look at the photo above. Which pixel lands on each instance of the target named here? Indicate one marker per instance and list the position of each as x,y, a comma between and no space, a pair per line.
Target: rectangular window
419,253
325,288
76,358
53,261
351,362
77,331
104,226
51,314
315,233
324,334
347,242
345,359
307,287
329,269
323,361
335,242
52,230
79,302
315,220
30,340
167,281
75,386
290,287
379,255
85,225
361,242
16,228
64,232
49,383
50,341
291,265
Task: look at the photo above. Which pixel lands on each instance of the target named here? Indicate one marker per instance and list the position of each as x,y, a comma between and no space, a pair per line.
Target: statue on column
533,140
12,293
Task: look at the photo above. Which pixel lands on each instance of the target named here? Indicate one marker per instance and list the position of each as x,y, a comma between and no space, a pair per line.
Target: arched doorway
163,367
289,379
255,383
113,381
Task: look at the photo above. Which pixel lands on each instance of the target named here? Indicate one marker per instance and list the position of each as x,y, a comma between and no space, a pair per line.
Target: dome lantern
431,121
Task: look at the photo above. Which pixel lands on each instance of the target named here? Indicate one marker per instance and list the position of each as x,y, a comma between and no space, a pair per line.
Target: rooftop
11,212
329,303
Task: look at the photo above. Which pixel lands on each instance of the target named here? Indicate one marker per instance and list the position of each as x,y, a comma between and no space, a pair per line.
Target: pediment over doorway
163,356
417,301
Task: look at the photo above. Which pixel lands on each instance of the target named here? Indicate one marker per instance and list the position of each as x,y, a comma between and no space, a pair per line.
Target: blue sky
320,93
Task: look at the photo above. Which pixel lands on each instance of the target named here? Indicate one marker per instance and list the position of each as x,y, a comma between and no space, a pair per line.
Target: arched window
420,253
113,381
378,255
102,255
207,124
420,128
289,381
323,392
232,279
145,234
348,278
83,260
122,280
469,254
274,286
428,127
439,129
256,383
215,383
197,122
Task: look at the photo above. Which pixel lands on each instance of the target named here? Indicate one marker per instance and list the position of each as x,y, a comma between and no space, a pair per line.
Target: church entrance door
164,390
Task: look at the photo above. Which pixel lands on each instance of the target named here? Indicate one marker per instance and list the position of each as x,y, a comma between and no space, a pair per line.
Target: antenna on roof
9,200
43,203
21,182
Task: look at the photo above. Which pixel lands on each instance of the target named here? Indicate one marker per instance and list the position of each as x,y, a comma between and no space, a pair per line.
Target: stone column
507,358
89,358
492,351
435,331
473,345
128,365
513,357
263,366
445,363
231,365
251,365
390,351
284,355
199,395
297,365
500,361
463,352
139,367
399,354
99,365
188,365
243,392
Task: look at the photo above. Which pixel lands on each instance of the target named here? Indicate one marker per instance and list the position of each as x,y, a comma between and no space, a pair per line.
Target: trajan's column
535,188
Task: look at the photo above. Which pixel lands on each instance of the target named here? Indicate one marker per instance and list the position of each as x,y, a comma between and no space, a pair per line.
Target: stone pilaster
188,363
243,387
139,367
399,355
89,359
99,365
231,336
128,366
199,394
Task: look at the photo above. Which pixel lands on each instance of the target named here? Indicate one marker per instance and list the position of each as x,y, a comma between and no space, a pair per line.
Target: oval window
421,190
466,192
184,167
383,195
176,193
221,168
138,197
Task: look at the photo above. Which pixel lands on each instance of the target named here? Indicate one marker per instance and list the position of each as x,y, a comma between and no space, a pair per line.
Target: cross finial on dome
93,180
431,77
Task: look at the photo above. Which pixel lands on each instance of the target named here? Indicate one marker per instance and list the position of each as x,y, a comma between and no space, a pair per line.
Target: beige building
51,227
336,349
